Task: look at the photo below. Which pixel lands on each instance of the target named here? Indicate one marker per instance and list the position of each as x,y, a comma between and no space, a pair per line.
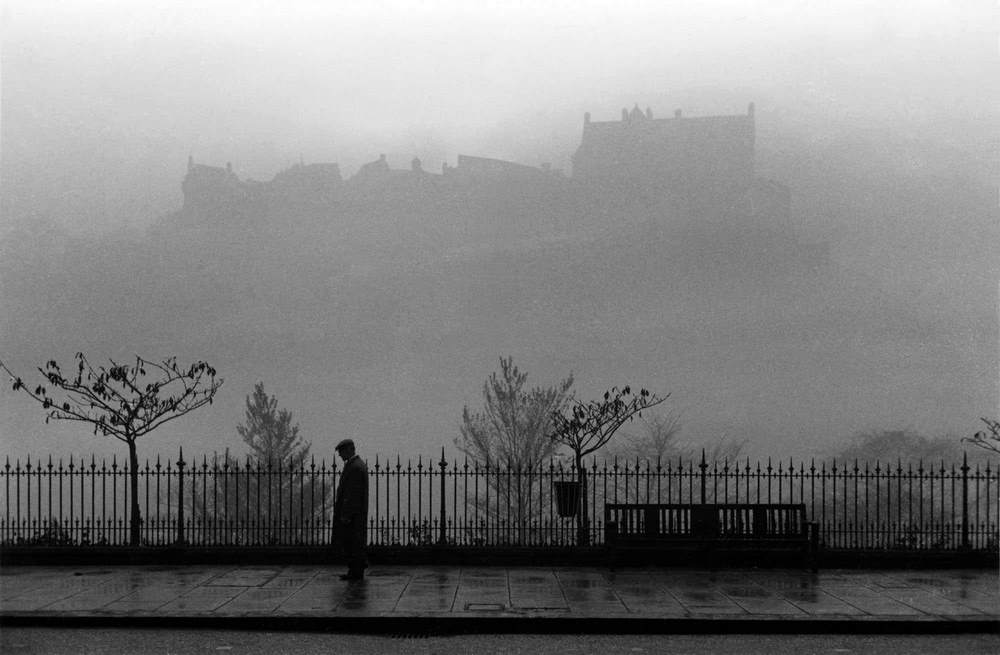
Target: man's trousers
352,536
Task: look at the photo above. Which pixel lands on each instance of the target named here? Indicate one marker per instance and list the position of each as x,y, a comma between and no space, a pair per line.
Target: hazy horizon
883,121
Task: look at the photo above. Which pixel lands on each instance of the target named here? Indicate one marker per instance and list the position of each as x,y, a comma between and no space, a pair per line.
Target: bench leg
610,539
814,547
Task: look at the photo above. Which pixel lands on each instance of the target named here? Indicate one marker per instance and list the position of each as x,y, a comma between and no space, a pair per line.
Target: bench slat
731,521
707,526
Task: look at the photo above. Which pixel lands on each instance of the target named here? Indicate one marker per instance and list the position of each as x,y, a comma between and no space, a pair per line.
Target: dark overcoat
352,493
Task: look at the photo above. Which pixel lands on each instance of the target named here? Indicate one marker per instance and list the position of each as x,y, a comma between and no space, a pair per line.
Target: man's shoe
352,576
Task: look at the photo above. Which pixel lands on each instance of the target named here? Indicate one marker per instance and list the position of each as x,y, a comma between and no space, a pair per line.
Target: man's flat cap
346,443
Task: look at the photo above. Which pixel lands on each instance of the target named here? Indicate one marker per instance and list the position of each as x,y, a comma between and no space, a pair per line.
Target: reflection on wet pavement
473,591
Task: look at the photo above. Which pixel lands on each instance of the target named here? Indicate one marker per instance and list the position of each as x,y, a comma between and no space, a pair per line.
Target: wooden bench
713,527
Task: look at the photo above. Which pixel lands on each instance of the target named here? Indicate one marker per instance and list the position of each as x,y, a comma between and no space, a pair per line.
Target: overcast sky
103,101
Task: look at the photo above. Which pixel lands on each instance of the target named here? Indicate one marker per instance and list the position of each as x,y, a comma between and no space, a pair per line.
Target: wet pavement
252,593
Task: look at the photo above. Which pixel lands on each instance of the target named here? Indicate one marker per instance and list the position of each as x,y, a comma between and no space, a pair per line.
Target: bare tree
124,402
656,439
512,429
589,426
988,439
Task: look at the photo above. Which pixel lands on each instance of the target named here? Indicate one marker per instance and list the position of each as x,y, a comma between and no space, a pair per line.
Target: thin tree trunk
582,521
135,521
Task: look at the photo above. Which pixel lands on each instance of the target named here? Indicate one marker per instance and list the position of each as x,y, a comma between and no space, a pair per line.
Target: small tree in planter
587,427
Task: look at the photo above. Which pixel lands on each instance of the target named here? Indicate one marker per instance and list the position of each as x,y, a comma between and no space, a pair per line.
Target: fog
871,304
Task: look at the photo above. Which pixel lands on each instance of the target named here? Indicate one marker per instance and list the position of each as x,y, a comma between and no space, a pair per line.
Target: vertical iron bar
62,526
486,511
409,504
703,466
6,498
454,501
159,501
965,500
866,534
442,536
322,500
17,485
420,498
215,529
114,496
145,515
399,514
48,479
822,490
27,488
180,496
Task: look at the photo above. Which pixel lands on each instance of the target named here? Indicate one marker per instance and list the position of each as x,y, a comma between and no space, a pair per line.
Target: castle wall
484,166
711,156
210,187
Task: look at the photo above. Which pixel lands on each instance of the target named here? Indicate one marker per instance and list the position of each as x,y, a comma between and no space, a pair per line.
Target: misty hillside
378,317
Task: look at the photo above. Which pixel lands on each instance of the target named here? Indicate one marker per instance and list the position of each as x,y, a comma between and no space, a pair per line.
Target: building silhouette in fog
704,164
697,158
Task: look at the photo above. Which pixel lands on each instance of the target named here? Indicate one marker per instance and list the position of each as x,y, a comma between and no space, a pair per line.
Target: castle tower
210,187
708,158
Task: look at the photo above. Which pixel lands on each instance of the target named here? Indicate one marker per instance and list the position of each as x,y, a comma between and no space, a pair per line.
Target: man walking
350,510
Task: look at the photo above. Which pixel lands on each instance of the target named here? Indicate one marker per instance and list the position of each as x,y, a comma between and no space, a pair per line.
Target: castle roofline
468,159
637,118
670,121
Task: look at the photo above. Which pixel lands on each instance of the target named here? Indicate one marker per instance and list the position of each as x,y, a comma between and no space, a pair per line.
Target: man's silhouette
350,510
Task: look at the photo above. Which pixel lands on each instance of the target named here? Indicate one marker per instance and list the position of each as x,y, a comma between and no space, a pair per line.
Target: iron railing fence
222,502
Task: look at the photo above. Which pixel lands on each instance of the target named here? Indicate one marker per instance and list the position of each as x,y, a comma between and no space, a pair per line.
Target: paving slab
483,598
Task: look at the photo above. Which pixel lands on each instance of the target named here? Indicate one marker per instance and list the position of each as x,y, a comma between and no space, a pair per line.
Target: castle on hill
702,162
712,155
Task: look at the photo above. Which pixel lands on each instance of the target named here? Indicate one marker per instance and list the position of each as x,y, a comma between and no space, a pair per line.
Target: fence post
443,464
965,500
180,496
704,467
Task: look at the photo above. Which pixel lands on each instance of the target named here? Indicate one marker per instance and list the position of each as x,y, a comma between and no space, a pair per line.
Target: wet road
54,641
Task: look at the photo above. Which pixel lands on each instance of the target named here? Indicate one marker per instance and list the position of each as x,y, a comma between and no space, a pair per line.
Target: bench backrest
732,520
